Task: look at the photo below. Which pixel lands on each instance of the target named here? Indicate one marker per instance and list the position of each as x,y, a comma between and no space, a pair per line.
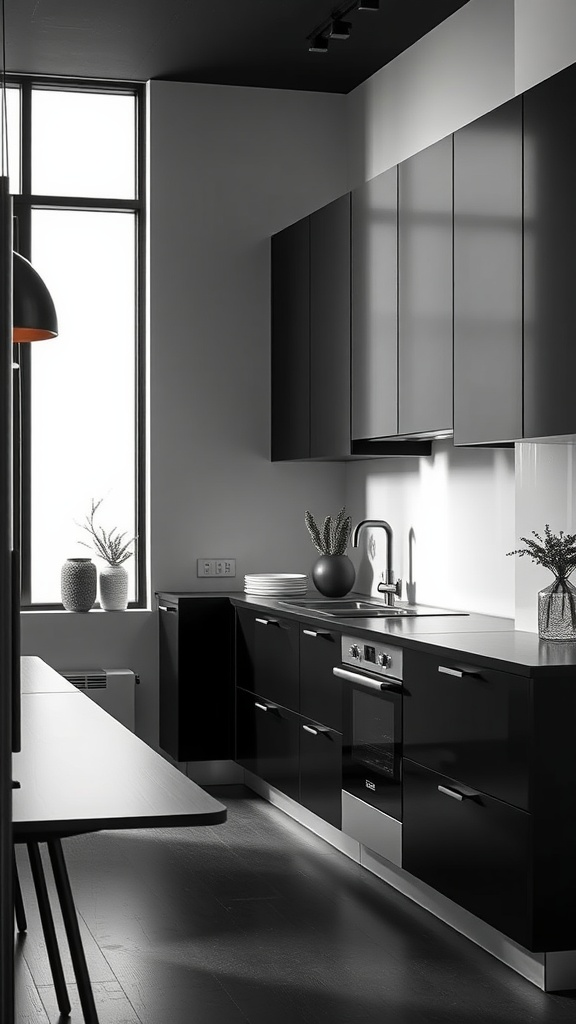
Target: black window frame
24,203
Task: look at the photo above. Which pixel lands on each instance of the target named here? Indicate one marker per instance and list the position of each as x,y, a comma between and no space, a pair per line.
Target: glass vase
557,611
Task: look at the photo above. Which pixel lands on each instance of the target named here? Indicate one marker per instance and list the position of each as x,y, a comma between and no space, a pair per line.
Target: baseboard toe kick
551,972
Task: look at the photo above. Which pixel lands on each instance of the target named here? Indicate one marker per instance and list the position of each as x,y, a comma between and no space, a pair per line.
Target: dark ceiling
231,42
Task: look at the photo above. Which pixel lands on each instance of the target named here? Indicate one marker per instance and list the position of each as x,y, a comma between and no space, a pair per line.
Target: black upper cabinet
330,330
375,307
291,342
549,290
488,277
311,336
425,290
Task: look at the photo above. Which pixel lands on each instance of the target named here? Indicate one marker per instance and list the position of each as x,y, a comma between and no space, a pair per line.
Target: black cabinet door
267,657
320,690
375,307
330,330
321,771
469,723
291,342
267,739
488,277
196,711
549,292
471,848
425,290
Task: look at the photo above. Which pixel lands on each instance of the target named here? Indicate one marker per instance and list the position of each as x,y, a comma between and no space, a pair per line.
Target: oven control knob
384,660
354,651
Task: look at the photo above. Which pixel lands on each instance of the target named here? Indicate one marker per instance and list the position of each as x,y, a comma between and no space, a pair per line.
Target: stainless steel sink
346,608
361,608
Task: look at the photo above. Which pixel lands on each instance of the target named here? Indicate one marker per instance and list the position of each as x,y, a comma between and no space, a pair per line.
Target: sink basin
346,608
361,607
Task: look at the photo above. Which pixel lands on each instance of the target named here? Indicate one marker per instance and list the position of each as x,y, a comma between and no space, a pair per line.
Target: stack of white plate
275,584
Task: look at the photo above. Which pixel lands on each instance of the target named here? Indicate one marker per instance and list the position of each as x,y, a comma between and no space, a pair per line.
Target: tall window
78,206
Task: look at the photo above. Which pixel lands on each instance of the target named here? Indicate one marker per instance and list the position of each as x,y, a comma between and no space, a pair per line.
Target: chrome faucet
387,585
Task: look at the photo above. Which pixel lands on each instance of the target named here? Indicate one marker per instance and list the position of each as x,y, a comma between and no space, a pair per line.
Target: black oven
372,728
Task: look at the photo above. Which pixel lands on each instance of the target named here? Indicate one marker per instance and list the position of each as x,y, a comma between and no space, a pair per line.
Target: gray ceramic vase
78,584
333,575
114,588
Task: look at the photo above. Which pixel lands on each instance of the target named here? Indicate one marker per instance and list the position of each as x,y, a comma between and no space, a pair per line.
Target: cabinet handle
263,707
458,672
166,608
451,792
316,632
267,622
308,728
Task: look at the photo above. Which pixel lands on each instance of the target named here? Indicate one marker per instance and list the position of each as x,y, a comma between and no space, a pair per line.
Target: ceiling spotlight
318,44
340,29
369,5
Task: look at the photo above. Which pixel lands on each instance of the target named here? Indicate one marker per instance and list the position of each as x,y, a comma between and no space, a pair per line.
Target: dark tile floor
258,921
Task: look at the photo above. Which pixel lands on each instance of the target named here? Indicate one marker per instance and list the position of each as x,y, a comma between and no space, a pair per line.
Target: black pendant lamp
33,313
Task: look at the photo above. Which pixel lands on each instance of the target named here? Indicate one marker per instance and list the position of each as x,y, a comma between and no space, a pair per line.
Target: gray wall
228,167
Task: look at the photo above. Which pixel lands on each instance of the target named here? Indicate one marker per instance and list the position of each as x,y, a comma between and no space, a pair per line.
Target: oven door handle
366,681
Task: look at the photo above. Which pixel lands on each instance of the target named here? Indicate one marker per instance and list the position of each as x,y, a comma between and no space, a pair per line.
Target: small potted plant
333,573
556,603
112,547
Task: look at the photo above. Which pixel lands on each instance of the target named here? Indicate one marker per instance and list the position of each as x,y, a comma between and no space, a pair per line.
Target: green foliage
110,546
556,552
335,534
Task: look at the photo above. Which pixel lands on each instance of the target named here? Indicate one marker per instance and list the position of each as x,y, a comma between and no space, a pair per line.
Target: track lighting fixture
318,44
335,27
340,29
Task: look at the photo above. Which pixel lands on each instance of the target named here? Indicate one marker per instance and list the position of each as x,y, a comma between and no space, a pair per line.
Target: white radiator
112,688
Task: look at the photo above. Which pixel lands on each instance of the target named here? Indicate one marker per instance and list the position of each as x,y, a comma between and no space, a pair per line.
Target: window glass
83,390
13,154
83,144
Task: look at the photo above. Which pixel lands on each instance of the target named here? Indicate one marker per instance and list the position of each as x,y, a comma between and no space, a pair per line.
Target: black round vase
333,575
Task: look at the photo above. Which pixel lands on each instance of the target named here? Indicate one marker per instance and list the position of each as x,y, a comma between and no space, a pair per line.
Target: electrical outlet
216,567
225,566
206,567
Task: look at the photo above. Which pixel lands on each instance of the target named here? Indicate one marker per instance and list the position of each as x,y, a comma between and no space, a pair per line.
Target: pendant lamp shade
33,313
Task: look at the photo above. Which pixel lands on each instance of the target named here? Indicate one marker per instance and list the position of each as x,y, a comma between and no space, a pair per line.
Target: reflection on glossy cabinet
488,272
425,290
375,307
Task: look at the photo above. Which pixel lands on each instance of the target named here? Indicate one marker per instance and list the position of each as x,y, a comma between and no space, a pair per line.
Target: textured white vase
114,588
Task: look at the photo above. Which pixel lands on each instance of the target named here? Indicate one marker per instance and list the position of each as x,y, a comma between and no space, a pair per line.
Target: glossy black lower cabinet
469,847
321,771
320,690
267,656
267,741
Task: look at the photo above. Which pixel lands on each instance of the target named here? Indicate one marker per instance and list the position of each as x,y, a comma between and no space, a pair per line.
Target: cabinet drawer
471,848
321,771
267,657
469,723
320,690
267,738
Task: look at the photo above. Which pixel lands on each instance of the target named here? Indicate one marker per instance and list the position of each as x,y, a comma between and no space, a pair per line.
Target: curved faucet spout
390,588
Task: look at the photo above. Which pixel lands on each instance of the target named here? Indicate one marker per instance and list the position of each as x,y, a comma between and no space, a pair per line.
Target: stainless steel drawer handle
166,608
458,672
267,622
316,632
263,707
451,792
308,728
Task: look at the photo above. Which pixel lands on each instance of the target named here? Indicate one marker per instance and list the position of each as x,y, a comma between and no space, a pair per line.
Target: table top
81,771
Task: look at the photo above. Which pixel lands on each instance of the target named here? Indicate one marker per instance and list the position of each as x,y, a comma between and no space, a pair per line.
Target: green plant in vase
333,573
557,602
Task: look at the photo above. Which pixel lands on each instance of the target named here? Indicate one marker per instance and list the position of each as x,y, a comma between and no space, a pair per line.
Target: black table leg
72,930
48,927
21,922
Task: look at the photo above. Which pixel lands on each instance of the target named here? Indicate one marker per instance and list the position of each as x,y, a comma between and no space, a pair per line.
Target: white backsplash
453,520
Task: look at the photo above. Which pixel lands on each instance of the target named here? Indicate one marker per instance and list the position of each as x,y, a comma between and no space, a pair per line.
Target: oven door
372,740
